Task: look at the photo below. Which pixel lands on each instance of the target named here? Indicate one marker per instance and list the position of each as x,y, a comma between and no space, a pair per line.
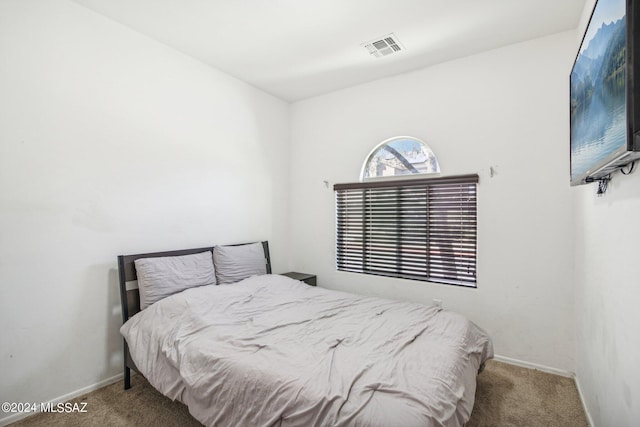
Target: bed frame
130,298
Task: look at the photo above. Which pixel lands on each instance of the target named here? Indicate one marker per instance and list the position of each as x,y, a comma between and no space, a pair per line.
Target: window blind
420,229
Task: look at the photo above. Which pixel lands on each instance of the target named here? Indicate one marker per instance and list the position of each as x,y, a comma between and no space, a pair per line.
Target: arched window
403,155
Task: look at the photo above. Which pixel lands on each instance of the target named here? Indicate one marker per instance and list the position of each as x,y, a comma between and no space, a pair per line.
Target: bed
268,350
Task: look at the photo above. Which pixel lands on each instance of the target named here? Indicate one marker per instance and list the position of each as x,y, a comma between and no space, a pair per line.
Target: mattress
272,351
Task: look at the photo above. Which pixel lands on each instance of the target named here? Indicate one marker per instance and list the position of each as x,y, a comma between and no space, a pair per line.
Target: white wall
112,143
506,108
607,287
607,295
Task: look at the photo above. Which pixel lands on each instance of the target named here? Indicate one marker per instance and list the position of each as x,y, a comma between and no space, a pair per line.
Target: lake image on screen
598,96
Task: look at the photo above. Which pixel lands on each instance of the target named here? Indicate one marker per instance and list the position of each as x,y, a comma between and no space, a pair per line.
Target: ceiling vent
384,46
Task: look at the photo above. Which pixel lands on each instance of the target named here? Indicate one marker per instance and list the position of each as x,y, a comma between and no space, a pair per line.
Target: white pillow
160,277
234,263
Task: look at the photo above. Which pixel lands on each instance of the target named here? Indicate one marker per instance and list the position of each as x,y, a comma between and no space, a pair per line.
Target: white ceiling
295,49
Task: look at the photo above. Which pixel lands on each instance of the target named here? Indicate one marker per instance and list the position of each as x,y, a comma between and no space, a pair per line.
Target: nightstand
309,279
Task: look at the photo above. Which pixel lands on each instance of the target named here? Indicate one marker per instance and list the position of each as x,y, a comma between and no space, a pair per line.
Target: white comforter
272,351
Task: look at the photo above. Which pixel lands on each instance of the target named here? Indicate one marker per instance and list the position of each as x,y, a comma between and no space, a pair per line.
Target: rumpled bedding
273,351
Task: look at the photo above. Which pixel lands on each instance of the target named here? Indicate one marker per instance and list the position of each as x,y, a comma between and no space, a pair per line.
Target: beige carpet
509,395
506,396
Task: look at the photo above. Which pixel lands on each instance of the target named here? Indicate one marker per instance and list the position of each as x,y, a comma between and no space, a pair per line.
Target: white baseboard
61,399
530,365
584,403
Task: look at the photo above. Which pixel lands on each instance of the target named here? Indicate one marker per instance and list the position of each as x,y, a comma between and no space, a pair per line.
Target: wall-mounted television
605,93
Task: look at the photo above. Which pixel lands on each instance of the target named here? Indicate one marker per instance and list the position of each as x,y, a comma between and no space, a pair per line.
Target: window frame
439,266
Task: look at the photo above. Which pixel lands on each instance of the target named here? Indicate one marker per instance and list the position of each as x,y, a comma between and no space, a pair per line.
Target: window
398,156
420,229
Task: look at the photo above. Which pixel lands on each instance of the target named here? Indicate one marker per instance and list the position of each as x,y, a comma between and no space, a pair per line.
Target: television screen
599,91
